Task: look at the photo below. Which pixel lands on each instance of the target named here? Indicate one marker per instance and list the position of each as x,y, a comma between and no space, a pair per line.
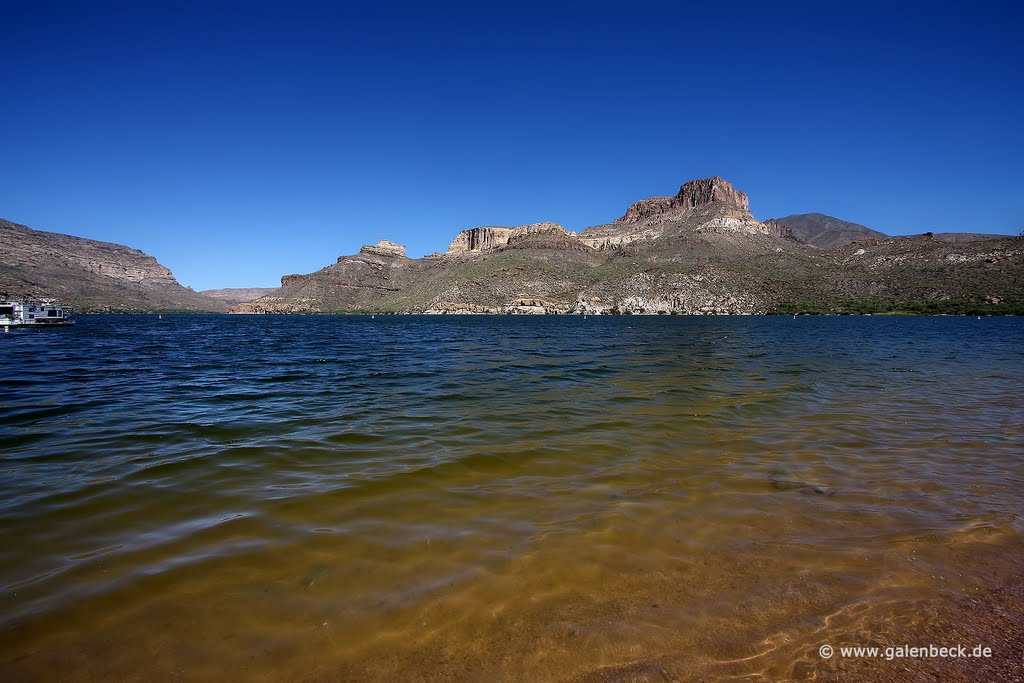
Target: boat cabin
33,313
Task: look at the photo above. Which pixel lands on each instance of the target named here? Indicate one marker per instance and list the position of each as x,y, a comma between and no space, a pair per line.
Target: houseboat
36,314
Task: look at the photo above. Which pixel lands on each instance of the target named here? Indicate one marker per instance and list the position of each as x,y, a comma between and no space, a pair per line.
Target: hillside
698,251
826,232
89,275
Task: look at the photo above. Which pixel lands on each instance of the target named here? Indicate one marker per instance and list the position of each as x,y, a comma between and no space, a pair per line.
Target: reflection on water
496,498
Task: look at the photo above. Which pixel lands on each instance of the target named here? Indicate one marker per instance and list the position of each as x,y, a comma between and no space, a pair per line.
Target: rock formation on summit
384,248
707,205
731,202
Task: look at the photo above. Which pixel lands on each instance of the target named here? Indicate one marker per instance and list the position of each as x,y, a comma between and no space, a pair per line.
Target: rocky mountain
697,251
826,232
237,295
89,275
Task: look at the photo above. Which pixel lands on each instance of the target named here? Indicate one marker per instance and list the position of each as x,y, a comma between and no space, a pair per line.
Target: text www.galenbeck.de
907,652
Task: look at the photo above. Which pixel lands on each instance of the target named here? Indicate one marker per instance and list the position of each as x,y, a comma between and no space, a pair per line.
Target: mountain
88,275
826,232
237,295
697,251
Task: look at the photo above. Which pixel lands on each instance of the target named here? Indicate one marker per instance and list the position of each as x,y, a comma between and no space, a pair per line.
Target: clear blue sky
237,142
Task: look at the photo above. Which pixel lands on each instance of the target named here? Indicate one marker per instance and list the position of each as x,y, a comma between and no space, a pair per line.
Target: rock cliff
484,238
89,275
730,201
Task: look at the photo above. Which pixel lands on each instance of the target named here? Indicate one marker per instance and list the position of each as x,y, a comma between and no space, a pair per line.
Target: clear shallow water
496,498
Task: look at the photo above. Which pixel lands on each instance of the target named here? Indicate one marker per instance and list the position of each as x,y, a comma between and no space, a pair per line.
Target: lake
503,497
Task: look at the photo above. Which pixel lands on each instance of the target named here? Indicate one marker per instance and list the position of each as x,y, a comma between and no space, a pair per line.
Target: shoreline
888,314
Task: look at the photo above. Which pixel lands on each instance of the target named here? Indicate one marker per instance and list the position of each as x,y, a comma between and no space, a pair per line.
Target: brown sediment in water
990,617
714,616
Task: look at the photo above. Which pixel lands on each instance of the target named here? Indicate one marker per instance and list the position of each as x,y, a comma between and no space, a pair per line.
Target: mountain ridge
698,251
827,232
90,275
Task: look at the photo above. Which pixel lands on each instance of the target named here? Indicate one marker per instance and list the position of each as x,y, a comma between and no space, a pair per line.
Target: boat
34,314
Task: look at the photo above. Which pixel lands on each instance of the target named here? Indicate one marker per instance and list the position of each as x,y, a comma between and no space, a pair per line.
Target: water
496,498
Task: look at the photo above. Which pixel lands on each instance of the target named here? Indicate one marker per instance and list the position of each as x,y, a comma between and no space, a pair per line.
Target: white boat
37,314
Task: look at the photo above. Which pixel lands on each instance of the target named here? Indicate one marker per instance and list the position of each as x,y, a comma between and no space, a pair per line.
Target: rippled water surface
495,498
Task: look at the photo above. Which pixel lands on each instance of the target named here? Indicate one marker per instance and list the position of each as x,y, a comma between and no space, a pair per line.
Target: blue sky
238,142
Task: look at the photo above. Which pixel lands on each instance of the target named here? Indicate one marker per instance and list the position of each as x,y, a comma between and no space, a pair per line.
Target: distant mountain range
89,275
698,251
237,295
826,232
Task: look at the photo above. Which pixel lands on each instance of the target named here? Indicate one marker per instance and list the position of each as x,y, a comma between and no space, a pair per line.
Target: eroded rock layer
384,248
484,238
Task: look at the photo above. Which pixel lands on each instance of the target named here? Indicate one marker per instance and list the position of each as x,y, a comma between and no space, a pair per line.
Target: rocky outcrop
383,248
709,205
695,193
89,275
489,237
478,239
777,229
